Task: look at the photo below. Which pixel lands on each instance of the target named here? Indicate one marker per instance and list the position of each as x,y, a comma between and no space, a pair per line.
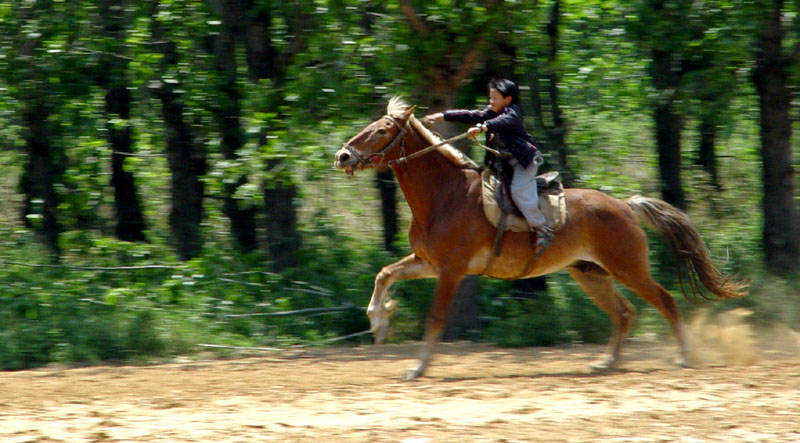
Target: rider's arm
509,120
468,116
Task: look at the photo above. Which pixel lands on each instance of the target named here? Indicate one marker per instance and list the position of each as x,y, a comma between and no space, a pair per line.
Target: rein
422,152
403,130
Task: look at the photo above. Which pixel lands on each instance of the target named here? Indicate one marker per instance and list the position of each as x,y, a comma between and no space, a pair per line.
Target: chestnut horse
450,237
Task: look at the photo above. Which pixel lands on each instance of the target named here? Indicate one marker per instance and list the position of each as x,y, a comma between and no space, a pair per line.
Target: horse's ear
409,112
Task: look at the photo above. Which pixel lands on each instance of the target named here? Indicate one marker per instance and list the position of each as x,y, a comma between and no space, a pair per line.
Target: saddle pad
552,203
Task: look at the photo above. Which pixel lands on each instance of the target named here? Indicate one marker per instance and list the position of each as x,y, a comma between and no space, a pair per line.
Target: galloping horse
451,238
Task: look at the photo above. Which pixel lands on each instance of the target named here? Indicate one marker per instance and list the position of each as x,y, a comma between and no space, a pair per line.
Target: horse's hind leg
379,310
634,274
656,295
599,286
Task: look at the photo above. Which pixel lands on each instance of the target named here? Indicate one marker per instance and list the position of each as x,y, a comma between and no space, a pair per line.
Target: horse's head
376,143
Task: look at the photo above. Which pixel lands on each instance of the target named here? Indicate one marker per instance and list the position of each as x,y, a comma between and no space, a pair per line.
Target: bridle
372,158
402,130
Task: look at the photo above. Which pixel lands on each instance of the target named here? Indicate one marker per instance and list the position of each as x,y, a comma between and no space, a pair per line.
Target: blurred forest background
167,180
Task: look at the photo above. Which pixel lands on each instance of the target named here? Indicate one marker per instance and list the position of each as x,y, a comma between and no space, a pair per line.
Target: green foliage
562,314
100,311
143,337
528,322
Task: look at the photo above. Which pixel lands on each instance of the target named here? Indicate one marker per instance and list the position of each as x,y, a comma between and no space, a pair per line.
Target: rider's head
502,93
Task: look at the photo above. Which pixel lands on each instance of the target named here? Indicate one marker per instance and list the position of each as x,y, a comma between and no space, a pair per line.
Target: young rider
502,122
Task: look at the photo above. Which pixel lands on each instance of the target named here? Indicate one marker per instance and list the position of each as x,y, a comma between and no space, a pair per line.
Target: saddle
497,202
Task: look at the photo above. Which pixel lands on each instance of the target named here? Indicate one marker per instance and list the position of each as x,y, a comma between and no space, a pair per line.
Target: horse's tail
692,257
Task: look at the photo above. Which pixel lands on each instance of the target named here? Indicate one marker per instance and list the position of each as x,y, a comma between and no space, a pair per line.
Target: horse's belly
512,264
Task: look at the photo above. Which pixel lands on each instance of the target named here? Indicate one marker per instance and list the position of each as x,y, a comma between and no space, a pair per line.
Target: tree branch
413,18
297,44
469,61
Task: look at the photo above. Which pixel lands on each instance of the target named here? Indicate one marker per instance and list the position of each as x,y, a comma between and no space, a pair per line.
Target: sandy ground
473,393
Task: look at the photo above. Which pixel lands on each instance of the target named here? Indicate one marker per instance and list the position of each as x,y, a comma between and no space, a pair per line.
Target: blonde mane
397,107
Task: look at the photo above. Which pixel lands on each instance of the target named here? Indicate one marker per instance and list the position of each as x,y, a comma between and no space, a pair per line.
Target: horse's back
606,226
590,202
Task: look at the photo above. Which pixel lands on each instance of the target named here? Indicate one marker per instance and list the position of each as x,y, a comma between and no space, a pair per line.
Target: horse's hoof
604,364
415,372
683,362
380,332
380,329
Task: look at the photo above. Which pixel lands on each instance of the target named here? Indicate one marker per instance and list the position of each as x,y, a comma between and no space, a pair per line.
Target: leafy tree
775,77
112,73
540,70
44,73
695,51
665,30
185,154
268,64
228,113
711,81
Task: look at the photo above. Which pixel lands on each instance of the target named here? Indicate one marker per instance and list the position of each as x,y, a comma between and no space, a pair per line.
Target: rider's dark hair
506,88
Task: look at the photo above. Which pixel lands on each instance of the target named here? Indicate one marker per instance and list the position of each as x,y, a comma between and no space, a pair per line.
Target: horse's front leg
445,292
380,306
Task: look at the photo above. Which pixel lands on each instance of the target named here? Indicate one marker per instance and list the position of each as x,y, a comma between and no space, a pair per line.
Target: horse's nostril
343,157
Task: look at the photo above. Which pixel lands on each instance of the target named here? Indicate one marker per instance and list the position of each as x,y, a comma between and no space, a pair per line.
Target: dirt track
473,393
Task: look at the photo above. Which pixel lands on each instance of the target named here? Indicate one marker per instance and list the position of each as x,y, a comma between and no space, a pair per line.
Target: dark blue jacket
509,133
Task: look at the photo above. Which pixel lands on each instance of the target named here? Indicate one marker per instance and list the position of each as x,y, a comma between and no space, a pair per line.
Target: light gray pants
524,192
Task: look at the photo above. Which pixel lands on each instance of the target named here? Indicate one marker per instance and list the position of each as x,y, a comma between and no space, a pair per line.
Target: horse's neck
428,180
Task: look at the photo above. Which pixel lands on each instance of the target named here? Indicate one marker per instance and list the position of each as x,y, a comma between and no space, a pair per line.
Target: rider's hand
432,118
475,130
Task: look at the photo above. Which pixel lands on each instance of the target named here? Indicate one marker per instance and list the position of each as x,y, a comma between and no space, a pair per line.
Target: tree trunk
187,164
668,128
558,132
283,240
228,112
130,219
706,155
279,190
39,177
547,107
668,133
781,221
185,157
463,320
261,55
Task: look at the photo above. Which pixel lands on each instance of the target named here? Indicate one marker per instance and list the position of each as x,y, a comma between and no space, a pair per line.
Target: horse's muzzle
345,160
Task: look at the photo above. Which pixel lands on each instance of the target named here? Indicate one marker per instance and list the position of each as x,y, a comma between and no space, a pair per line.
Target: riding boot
542,238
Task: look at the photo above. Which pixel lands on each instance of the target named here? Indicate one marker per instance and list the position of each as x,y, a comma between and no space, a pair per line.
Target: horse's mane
397,107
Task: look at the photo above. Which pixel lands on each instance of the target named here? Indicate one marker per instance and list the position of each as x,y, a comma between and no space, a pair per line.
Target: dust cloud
729,339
